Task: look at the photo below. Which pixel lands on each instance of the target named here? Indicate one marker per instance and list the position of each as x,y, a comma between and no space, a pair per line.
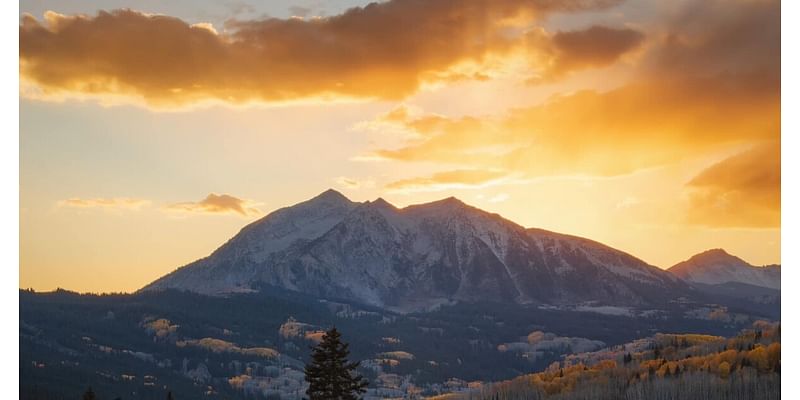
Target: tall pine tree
329,374
89,394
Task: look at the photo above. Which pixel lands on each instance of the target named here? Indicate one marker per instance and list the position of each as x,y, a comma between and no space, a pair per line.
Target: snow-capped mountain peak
716,266
419,256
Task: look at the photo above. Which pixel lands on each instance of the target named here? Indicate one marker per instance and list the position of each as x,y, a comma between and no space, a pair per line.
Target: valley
437,299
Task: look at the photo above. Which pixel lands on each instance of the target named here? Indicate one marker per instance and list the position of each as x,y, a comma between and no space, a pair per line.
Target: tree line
673,367
329,373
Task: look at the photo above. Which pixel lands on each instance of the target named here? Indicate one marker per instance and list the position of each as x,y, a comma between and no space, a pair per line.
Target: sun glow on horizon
651,128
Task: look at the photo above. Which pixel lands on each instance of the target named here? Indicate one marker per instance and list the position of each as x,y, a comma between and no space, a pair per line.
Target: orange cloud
366,52
617,132
597,46
464,178
740,191
731,37
119,203
696,91
217,204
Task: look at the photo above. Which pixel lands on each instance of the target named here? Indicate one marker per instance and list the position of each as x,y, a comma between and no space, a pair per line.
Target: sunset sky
151,133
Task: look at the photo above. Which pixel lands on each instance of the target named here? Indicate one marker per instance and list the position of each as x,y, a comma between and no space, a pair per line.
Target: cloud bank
365,52
708,81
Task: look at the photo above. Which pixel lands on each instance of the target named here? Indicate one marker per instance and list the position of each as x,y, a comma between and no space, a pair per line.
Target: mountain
224,347
418,257
716,266
233,266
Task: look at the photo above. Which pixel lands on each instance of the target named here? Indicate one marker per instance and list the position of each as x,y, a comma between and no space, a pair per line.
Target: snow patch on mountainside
419,258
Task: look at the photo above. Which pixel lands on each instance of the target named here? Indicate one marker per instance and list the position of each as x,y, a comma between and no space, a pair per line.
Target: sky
151,132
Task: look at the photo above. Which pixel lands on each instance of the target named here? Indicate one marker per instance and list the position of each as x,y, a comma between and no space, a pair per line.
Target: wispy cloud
499,198
456,179
355,183
217,204
117,203
628,202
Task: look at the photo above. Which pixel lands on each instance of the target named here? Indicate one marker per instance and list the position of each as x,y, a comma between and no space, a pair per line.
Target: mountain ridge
418,257
716,266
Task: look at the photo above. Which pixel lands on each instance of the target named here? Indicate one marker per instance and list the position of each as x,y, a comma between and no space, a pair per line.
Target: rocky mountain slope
716,266
418,257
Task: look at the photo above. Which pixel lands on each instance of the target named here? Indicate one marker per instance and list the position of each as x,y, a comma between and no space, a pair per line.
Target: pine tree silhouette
329,374
89,394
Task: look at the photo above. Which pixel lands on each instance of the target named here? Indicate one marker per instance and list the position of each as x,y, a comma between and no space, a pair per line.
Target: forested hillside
664,367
